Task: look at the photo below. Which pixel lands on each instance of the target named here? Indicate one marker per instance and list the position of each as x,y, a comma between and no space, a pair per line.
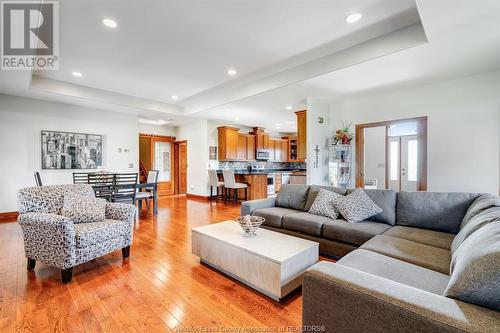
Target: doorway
392,155
180,152
156,153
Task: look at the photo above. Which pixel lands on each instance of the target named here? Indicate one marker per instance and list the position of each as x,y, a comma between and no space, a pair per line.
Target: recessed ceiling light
354,17
232,72
175,97
109,23
289,107
236,119
77,74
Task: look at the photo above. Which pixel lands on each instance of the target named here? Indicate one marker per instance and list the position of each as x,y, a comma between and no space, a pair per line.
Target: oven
271,189
262,154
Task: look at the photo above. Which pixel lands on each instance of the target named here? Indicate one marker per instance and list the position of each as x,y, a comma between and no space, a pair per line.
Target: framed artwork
66,150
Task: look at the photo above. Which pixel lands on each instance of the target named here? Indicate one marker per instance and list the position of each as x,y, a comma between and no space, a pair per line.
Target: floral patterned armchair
56,240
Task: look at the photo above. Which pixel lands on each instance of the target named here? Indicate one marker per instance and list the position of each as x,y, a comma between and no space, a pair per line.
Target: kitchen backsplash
267,165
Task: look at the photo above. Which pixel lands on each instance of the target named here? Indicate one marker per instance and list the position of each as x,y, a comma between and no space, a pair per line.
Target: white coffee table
270,262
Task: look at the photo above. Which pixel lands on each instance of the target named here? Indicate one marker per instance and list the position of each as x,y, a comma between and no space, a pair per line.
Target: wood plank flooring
161,288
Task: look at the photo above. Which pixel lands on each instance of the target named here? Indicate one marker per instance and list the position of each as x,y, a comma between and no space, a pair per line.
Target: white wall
157,129
22,119
375,154
463,128
196,134
317,135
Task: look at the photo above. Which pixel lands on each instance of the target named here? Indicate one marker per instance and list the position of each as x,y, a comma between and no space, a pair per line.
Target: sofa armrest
120,212
247,207
49,238
344,299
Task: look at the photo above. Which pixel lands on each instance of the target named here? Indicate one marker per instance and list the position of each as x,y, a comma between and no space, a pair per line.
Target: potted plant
342,135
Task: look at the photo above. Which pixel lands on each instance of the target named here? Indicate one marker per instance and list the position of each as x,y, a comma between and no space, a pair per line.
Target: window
394,149
162,160
412,160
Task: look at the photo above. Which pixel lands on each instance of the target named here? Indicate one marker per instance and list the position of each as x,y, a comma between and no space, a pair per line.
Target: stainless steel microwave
262,154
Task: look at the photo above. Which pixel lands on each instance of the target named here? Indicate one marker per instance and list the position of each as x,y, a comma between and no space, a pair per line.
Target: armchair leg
126,252
66,275
31,264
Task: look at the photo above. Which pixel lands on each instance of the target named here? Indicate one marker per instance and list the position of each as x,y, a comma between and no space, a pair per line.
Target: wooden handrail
143,169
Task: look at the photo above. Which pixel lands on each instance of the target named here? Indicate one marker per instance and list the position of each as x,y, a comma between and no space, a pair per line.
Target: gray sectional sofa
394,271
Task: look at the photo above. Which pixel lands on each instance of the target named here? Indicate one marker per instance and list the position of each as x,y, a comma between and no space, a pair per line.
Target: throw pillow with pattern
356,206
83,209
323,204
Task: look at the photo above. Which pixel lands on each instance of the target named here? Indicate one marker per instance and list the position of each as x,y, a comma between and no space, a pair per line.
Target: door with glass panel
403,163
163,161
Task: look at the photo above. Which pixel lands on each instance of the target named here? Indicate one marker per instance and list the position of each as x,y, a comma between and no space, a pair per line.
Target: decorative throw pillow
356,206
83,209
474,224
475,269
323,204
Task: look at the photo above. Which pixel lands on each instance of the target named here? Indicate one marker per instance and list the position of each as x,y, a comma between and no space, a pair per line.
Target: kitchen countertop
261,171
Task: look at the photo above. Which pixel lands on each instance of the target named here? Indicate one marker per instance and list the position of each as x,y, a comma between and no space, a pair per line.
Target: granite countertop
261,171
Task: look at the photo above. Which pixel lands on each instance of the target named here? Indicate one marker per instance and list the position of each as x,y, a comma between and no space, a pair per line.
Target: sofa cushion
475,223
292,196
440,211
87,234
396,270
423,236
273,215
323,204
423,255
356,207
314,190
352,233
385,199
83,209
484,202
305,223
475,268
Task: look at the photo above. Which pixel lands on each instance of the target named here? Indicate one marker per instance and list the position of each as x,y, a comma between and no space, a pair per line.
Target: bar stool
214,182
231,184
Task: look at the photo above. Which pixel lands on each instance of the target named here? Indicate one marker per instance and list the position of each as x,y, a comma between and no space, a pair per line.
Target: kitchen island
257,181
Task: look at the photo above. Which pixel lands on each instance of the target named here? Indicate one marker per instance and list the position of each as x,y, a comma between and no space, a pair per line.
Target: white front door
403,157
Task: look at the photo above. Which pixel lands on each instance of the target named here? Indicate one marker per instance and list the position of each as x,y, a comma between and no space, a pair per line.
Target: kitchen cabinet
261,138
301,135
277,181
228,139
278,150
250,147
242,147
291,150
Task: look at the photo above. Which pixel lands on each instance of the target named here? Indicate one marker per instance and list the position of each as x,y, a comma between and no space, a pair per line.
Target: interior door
409,157
163,161
183,168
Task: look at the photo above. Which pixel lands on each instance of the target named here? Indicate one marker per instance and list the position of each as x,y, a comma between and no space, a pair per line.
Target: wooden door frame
422,151
163,138
176,164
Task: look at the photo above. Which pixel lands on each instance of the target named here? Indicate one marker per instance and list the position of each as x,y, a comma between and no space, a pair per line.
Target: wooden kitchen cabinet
284,151
228,139
250,147
278,150
242,150
291,148
301,135
261,138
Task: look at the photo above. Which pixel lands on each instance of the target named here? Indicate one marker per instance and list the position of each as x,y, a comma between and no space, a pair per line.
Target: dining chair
80,177
150,191
124,189
213,180
103,184
38,179
231,184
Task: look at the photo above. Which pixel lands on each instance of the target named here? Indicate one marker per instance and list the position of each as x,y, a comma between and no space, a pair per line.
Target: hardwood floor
162,287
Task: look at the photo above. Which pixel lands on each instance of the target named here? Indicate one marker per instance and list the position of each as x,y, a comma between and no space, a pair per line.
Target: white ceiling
161,48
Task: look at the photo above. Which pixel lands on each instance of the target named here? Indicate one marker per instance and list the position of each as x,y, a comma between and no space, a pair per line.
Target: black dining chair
148,191
124,189
80,177
103,184
38,179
